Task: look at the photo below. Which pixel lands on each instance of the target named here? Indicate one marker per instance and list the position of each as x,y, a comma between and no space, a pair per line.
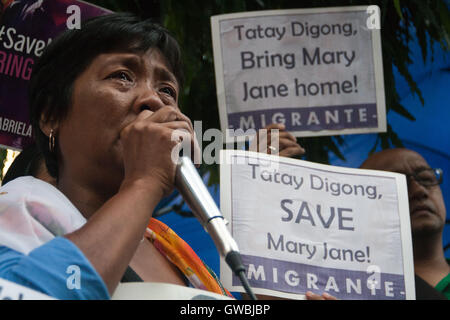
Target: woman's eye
169,91
123,76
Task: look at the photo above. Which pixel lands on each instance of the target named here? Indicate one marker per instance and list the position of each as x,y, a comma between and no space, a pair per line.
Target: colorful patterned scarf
181,254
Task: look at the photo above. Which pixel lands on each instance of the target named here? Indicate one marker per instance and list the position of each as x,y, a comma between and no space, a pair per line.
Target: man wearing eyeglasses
427,214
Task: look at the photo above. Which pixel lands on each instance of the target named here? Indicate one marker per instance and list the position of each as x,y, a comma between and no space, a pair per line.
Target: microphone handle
194,192
191,187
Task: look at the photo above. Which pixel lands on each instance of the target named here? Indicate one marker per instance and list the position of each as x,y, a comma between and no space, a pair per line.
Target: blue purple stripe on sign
298,278
308,119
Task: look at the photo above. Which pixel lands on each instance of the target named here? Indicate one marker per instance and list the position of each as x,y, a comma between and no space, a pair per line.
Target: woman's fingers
167,114
287,135
292,152
151,146
273,139
275,126
313,296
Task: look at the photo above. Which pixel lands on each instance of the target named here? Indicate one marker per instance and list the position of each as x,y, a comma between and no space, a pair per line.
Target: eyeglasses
427,177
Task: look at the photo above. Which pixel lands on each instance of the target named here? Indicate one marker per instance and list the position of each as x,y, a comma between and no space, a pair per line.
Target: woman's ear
47,126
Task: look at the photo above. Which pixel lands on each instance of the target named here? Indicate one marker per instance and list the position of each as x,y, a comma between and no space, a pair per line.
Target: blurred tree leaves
189,21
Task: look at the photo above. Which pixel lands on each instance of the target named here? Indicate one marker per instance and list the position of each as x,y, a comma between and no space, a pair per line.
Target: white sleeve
32,212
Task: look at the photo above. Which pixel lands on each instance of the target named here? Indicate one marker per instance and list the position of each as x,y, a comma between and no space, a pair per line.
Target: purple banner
309,119
298,278
26,28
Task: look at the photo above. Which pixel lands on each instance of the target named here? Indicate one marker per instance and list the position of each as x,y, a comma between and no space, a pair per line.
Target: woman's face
107,96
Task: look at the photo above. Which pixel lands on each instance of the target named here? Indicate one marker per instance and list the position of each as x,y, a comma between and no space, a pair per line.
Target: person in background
427,214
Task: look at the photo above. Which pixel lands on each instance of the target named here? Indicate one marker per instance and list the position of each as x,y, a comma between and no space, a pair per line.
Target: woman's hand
313,296
151,145
273,133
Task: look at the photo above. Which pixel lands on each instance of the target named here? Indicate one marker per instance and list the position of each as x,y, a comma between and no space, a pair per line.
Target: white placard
318,71
302,226
162,291
12,291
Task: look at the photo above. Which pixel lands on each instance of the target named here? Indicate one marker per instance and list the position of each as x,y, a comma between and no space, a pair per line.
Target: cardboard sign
162,291
302,226
26,28
318,71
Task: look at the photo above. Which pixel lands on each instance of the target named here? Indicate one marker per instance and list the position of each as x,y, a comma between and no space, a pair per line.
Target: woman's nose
150,100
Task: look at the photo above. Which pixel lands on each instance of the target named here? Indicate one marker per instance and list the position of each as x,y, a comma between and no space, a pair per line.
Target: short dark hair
68,55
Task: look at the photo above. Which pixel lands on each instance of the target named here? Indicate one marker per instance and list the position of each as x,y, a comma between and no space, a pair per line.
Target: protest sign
162,291
318,71
26,29
302,226
12,291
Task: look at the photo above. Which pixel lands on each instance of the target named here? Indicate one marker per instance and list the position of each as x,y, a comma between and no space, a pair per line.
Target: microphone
194,192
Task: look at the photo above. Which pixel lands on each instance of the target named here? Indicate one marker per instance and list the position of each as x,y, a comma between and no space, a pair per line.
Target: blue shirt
58,269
